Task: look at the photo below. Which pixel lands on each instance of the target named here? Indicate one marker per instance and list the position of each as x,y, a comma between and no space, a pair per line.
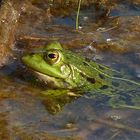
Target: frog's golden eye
52,57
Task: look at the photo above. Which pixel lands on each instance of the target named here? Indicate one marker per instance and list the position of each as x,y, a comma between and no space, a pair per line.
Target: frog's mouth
43,77
51,82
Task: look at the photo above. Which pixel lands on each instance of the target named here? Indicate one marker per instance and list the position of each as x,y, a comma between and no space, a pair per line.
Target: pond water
26,115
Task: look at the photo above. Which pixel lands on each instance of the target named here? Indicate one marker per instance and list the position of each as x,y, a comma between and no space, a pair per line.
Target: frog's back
101,80
119,88
100,76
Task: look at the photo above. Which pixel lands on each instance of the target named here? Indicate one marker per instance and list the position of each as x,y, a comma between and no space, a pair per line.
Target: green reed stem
77,15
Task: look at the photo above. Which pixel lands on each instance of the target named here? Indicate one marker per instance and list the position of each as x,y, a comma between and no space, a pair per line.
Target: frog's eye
52,57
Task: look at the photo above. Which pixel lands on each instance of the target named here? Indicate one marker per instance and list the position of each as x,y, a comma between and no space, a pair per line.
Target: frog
62,69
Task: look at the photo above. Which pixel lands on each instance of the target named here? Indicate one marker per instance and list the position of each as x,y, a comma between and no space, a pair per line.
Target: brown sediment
9,14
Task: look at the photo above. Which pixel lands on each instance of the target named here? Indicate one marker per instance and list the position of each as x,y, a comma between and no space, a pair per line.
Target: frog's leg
117,98
55,100
129,99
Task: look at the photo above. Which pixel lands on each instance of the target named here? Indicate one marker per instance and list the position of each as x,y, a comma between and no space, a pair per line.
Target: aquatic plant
77,15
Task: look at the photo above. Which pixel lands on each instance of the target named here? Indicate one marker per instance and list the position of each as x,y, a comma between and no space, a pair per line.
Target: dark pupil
52,55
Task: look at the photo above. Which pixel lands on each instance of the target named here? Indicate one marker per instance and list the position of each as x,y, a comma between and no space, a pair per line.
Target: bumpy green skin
63,69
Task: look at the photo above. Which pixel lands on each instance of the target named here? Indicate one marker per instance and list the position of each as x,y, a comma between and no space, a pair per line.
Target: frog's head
53,66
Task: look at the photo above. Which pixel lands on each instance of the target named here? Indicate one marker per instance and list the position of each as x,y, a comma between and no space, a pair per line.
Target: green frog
62,69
